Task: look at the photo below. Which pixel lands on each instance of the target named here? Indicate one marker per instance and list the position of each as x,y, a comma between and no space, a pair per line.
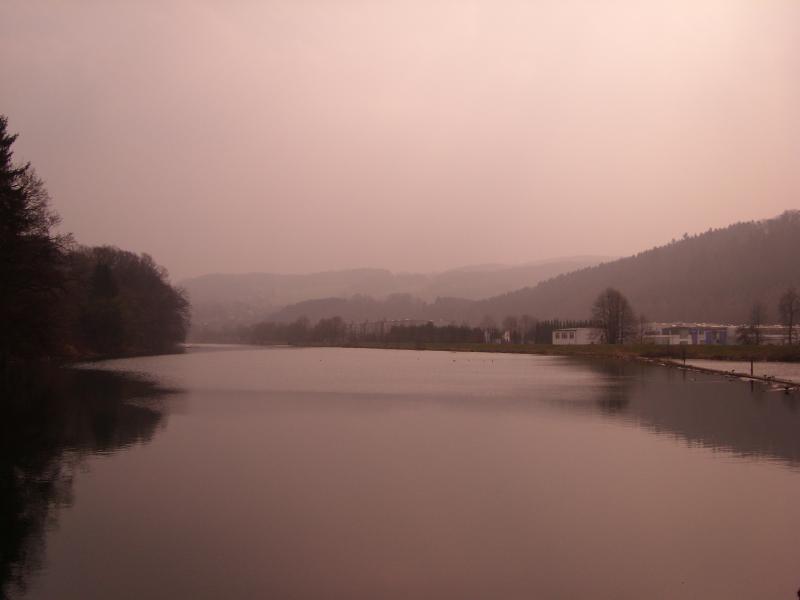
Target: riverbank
727,353
668,356
90,357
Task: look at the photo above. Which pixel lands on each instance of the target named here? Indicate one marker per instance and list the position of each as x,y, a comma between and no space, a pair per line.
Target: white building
576,336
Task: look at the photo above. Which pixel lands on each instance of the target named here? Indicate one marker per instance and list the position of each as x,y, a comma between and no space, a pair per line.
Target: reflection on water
45,431
749,419
346,473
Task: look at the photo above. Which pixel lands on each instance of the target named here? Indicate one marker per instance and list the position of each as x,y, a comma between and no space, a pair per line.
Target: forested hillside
225,301
715,276
364,308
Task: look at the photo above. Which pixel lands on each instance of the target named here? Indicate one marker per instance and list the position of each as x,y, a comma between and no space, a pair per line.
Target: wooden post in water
751,367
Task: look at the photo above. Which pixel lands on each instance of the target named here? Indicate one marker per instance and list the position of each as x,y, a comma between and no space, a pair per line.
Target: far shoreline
666,356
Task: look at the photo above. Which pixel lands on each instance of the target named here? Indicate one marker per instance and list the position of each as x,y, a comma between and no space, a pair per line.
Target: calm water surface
366,474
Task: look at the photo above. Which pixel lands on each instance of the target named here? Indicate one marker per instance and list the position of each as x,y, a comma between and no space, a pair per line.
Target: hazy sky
299,135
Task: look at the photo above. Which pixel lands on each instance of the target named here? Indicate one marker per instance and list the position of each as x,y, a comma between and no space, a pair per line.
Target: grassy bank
734,353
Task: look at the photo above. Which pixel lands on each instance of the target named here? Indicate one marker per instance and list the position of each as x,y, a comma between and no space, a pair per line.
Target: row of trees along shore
788,313
522,330
60,300
611,314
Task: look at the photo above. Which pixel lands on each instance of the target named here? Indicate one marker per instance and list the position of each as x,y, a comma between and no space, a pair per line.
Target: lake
238,472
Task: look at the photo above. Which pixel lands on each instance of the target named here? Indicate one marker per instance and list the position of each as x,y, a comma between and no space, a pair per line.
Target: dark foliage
331,331
430,333
334,330
119,302
612,313
31,259
49,421
715,276
62,301
270,332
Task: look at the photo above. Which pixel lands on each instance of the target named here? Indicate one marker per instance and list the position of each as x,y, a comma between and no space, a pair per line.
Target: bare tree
489,327
758,314
525,323
511,324
744,335
789,309
642,321
614,316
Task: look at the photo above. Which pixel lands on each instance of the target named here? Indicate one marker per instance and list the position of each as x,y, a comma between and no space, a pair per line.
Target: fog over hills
223,300
715,276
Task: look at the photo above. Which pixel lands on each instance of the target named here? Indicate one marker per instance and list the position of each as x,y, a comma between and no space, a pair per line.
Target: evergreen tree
61,300
126,304
31,258
102,321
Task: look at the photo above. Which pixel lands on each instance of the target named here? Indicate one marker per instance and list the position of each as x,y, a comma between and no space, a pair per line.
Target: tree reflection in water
45,433
713,411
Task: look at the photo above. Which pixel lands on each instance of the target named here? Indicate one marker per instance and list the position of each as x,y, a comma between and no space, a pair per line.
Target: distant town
667,334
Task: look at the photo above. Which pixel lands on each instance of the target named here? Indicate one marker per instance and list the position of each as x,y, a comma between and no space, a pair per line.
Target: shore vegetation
63,301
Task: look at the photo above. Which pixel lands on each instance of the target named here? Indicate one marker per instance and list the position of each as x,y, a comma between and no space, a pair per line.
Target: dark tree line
788,313
451,334
119,302
522,330
332,330
61,300
335,330
31,260
526,329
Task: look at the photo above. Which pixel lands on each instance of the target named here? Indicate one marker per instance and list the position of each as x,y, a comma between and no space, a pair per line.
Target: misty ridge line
474,282
479,267
715,276
569,122
237,299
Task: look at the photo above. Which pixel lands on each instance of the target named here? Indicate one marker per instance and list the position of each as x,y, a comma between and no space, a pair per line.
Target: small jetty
787,385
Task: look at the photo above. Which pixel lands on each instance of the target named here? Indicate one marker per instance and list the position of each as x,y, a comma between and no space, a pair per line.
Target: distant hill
365,308
224,300
715,276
